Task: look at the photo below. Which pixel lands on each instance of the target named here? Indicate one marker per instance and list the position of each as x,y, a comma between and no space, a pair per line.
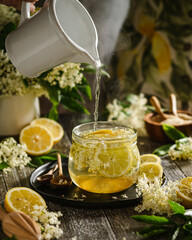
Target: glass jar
105,159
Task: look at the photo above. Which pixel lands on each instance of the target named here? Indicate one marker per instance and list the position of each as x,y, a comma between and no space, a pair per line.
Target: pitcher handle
25,11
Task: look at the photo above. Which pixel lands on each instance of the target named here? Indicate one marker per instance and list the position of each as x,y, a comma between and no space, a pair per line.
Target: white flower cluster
155,196
182,150
8,14
11,80
67,74
13,154
49,223
132,115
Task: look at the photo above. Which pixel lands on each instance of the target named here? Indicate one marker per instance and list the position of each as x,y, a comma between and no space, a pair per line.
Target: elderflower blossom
13,154
11,80
8,14
49,223
132,115
155,196
182,150
67,74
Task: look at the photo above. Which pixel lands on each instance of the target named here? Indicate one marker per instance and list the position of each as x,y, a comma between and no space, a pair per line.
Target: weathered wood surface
97,224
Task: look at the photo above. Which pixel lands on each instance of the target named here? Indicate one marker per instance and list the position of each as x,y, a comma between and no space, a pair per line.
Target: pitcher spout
85,58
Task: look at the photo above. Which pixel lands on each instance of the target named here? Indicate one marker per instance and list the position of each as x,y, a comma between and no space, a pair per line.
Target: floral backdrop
154,54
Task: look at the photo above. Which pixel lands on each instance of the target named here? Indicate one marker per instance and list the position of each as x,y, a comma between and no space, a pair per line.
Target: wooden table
93,224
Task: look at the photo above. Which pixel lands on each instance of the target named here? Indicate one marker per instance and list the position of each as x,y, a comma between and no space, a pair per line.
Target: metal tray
74,196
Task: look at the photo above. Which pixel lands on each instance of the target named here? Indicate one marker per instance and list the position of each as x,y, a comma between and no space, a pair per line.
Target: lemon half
23,199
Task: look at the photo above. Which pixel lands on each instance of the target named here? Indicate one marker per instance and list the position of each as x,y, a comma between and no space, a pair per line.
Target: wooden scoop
156,104
173,104
45,178
20,225
60,181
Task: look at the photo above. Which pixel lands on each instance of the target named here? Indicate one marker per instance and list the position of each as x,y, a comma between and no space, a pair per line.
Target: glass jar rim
78,130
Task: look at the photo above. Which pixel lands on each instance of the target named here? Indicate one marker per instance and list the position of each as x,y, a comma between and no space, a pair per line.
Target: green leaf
152,219
176,207
163,150
73,105
85,88
91,69
36,161
3,165
48,158
172,132
74,94
9,27
188,238
53,113
152,231
11,238
188,227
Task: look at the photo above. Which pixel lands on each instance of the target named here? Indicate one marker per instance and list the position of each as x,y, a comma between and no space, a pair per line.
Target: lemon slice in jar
110,160
113,161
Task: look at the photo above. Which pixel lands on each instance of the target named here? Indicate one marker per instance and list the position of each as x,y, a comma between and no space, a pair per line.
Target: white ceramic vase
16,112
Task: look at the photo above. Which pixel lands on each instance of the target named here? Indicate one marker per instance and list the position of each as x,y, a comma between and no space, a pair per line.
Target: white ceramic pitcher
62,31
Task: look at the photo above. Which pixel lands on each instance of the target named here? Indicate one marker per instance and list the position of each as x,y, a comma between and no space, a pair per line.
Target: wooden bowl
155,131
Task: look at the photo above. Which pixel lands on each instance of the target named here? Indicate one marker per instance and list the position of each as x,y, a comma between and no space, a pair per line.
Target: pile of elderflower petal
155,196
48,221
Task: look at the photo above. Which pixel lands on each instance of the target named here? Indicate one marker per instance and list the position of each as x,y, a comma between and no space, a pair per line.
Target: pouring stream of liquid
97,96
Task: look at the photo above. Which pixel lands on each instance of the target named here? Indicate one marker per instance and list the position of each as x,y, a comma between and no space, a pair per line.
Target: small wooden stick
173,103
156,104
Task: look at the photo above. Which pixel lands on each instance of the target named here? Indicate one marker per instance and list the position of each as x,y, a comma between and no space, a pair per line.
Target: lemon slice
185,192
151,170
54,127
104,133
23,199
113,161
150,158
37,139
